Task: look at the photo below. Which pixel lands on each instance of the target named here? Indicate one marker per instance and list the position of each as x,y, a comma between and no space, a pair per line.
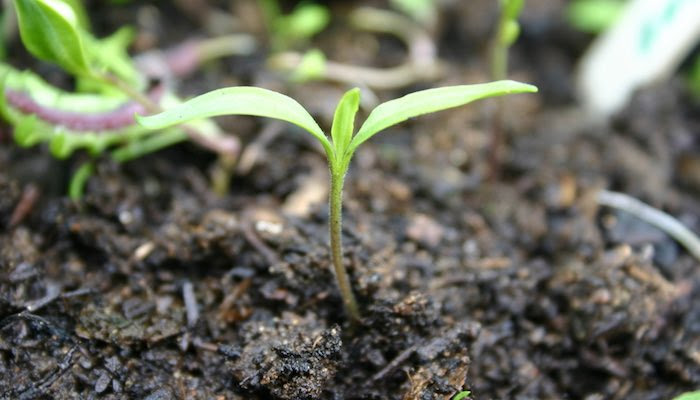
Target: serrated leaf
429,101
50,31
344,120
241,100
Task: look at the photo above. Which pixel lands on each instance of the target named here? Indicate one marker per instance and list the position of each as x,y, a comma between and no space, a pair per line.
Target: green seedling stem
341,145
507,33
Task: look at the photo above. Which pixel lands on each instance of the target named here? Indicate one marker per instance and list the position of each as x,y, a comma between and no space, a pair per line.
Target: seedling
462,395
422,63
507,33
688,396
299,26
594,16
342,144
110,90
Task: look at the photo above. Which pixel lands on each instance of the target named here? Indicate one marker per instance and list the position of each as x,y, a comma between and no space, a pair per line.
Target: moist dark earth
513,287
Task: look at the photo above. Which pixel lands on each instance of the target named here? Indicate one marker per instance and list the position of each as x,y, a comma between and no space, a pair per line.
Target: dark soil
522,287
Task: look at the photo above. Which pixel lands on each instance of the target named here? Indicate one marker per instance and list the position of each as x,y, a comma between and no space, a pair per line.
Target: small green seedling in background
462,395
507,32
689,396
56,31
594,16
99,115
297,27
342,144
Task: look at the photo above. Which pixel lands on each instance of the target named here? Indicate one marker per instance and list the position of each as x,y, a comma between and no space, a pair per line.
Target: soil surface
518,287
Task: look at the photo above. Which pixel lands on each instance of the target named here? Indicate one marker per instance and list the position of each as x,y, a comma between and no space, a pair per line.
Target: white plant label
646,44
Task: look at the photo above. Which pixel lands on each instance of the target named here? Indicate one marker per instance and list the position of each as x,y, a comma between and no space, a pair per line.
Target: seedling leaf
689,396
462,395
304,22
344,120
510,33
50,31
111,53
512,8
312,66
429,101
241,100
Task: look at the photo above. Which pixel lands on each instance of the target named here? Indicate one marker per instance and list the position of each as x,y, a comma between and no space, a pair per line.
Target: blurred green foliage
297,27
594,16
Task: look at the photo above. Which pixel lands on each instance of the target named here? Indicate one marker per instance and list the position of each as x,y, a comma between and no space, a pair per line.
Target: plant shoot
343,141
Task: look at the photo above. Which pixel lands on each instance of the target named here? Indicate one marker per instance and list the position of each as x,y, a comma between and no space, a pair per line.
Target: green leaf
241,100
594,16
689,396
512,8
304,22
26,132
111,53
311,67
80,13
462,395
510,32
50,31
344,120
429,101
79,179
62,144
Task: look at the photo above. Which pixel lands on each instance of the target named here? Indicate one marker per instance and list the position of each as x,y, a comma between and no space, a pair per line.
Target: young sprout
507,33
299,26
594,16
342,144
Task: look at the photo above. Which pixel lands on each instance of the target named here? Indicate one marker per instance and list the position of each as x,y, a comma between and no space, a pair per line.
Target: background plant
689,396
99,115
421,65
593,16
297,27
343,142
507,32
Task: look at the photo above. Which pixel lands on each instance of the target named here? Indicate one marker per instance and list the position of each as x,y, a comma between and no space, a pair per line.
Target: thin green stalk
336,217
139,148
79,179
499,70
499,55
